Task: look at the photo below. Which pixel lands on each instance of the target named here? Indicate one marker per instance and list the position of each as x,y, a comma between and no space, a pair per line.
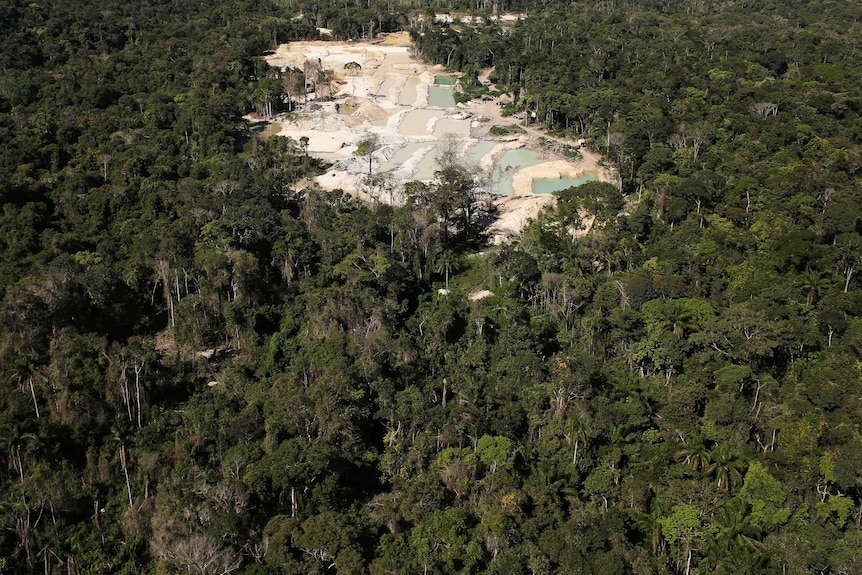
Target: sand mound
320,121
515,211
370,112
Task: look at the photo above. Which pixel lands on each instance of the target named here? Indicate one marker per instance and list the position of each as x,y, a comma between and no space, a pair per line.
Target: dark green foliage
205,371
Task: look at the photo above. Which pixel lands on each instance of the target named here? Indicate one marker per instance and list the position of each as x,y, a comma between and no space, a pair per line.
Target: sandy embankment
514,212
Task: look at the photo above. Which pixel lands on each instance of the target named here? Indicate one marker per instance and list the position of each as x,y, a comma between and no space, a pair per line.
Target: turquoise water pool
444,80
424,154
499,182
429,164
511,162
478,151
440,97
402,155
548,186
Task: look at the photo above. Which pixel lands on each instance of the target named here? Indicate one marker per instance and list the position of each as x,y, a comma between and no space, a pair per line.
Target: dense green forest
209,366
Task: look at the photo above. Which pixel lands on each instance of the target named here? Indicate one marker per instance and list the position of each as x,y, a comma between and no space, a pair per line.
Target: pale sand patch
334,56
325,144
327,132
367,113
338,180
514,212
397,58
396,39
422,90
355,87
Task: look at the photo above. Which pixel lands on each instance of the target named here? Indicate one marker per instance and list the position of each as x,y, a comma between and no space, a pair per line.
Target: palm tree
677,318
726,467
20,445
813,283
623,433
736,545
650,525
696,455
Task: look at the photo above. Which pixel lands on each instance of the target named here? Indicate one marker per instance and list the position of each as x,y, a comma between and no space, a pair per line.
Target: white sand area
387,100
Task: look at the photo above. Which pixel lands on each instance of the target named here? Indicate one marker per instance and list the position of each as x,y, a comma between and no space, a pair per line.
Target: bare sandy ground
387,99
515,212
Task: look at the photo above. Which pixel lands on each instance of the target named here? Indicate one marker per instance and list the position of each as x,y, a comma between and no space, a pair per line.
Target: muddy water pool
458,128
408,91
440,97
418,122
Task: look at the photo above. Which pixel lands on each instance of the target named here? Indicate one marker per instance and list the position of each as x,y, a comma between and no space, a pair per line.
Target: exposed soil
387,99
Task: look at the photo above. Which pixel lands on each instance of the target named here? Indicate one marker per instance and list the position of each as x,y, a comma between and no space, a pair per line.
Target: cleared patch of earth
387,98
